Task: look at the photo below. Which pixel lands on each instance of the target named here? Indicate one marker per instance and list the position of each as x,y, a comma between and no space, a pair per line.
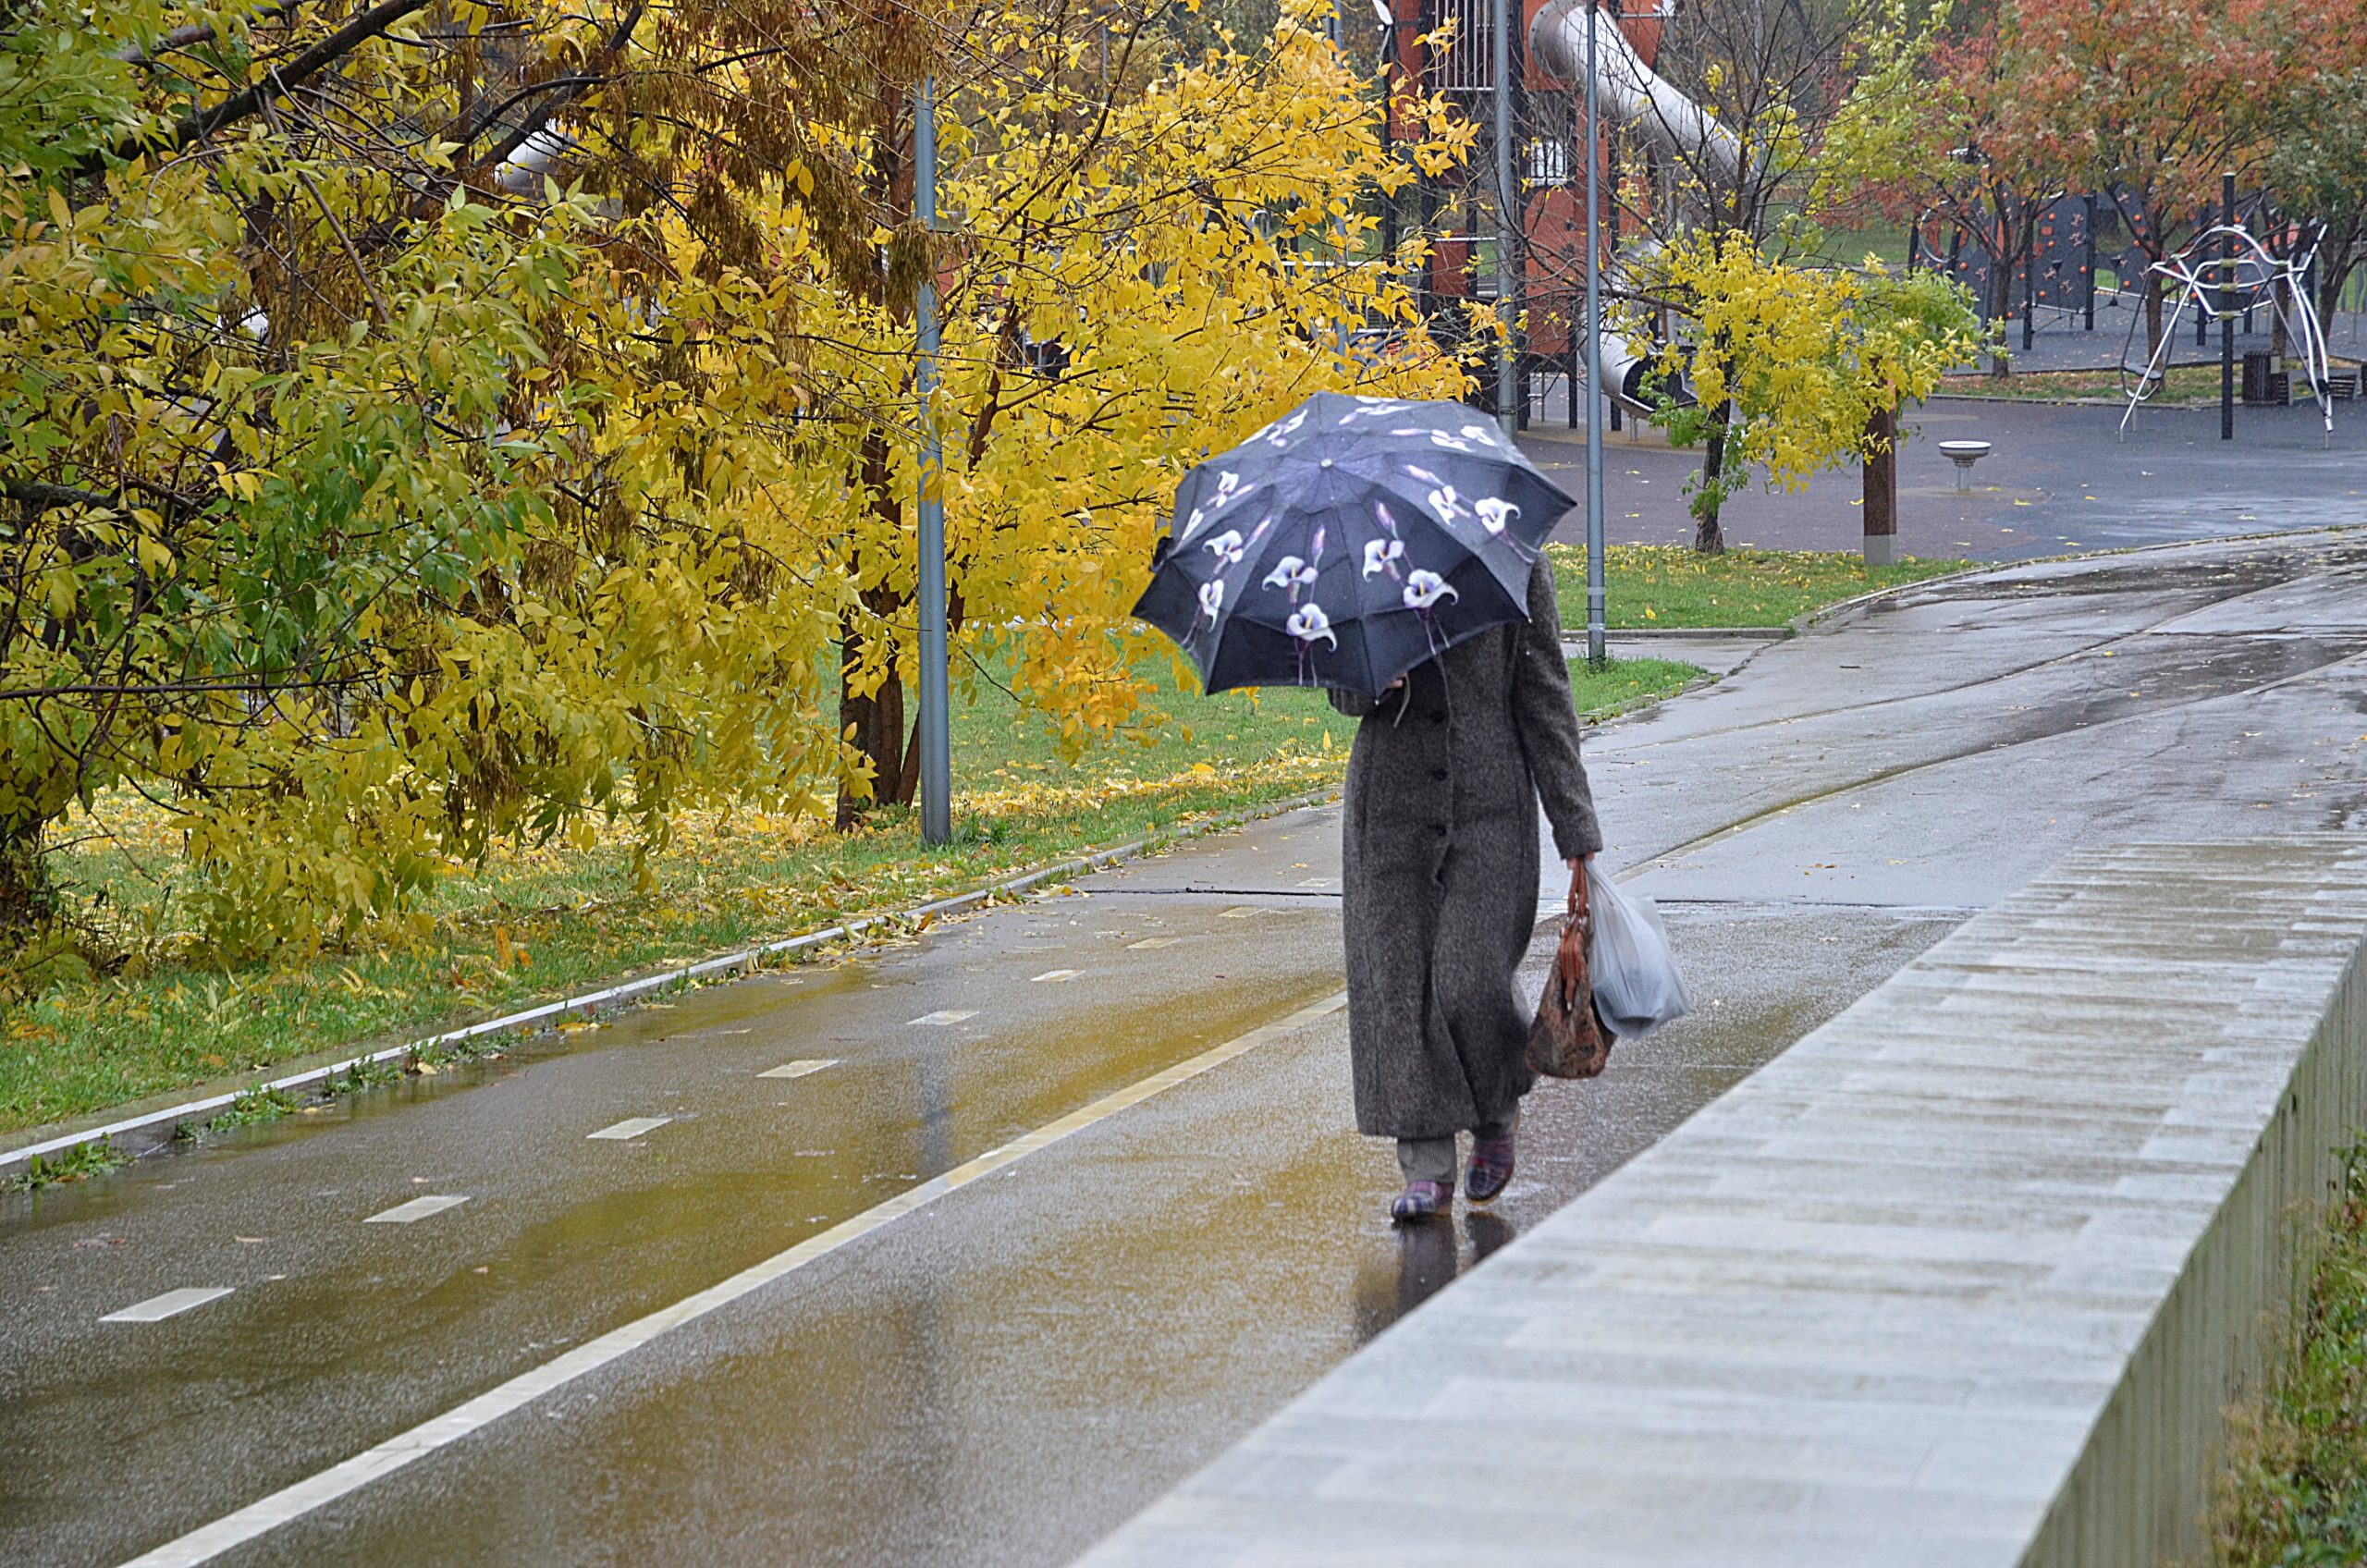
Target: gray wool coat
1440,896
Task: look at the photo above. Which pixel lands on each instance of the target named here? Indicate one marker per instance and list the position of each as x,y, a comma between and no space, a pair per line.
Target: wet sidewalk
1034,1217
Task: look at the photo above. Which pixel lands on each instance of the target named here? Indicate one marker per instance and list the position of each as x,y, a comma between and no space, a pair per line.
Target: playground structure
2225,273
1647,119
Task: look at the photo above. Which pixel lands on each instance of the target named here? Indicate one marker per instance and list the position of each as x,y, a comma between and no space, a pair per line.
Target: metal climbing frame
2248,277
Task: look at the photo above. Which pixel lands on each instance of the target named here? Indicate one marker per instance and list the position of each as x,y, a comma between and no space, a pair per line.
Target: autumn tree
2316,166
1966,161
2147,103
1799,110
426,422
1796,363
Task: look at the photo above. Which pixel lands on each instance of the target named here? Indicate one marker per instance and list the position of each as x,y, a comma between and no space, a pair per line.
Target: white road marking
418,1208
208,1541
938,1020
1054,975
1239,911
155,1309
797,1069
631,1127
1154,942
1318,881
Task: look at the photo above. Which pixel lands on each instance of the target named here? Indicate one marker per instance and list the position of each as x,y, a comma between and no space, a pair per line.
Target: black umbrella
1347,542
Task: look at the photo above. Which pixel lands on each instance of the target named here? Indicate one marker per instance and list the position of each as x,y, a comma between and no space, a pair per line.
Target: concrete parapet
1965,1277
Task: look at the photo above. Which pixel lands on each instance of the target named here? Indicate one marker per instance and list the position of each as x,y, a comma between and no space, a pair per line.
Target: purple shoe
1420,1200
1491,1169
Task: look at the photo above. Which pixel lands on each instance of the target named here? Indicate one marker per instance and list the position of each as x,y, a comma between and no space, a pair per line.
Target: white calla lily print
1292,573
1309,624
1424,589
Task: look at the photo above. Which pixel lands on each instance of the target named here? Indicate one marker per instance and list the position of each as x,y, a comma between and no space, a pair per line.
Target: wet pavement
2060,480
1003,1372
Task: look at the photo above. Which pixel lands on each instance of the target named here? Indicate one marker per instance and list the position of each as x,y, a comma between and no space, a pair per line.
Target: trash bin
2257,376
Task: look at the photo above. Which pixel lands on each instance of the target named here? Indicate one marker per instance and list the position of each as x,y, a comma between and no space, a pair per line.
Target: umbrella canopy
1347,542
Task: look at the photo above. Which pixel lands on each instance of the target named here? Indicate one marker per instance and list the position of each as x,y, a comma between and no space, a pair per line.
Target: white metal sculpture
2226,271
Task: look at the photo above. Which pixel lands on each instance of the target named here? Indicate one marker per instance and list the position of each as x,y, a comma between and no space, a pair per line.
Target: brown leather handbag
1568,1040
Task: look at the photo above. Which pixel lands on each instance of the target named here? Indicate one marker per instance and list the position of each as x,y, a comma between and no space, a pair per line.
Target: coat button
1438,828
1438,718
1439,773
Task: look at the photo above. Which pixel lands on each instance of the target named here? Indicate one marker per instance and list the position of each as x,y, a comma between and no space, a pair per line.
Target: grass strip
538,922
1673,587
2183,386
2295,1492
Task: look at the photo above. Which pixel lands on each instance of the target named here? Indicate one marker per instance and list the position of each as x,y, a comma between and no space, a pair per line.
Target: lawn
535,922
2182,384
1670,587
2296,1491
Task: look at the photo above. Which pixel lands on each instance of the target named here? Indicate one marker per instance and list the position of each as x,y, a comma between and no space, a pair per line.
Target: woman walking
1441,892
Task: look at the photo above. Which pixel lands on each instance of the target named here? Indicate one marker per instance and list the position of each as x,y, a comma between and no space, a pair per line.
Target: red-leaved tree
2147,101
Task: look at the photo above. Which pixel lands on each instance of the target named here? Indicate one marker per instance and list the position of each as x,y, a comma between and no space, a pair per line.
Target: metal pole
2228,311
2088,265
1595,594
1507,220
937,743
1388,117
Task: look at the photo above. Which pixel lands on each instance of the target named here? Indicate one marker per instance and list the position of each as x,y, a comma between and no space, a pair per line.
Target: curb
1688,634
682,977
1822,613
1808,618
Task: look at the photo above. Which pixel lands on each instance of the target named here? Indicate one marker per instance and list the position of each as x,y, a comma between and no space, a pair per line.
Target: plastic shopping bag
1637,987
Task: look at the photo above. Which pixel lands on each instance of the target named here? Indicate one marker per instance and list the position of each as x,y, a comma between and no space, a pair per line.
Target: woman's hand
1578,865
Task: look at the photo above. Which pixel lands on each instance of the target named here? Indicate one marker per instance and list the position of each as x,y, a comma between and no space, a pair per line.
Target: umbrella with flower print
1347,542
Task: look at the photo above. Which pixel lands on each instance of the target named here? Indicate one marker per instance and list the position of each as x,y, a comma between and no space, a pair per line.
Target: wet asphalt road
1003,1376
2059,479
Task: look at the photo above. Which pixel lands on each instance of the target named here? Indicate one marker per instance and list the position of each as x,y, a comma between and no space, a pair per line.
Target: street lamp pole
1507,221
1595,590
937,749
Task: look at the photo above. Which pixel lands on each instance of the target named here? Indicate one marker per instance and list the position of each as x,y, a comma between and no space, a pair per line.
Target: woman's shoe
1420,1200
1491,1169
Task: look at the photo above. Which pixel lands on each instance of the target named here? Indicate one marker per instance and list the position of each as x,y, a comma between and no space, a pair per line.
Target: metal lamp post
937,747
1595,590
1386,16
1507,220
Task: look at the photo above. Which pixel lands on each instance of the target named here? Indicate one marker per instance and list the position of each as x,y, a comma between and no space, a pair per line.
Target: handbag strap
1570,967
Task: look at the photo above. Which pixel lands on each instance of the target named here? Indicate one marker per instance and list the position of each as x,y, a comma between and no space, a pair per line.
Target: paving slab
1726,1353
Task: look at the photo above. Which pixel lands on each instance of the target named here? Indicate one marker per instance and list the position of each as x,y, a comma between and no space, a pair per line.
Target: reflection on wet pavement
1003,1376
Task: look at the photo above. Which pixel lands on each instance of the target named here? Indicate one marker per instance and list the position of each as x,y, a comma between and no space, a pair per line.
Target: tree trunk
2335,264
878,717
1880,491
1707,500
2152,314
27,901
2001,308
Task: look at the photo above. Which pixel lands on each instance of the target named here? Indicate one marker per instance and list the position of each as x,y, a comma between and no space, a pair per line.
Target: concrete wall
1967,1275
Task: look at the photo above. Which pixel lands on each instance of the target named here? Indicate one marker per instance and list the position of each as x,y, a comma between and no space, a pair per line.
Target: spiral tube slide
1630,92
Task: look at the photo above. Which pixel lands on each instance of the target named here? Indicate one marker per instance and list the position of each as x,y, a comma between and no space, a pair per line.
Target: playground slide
1628,90
1632,94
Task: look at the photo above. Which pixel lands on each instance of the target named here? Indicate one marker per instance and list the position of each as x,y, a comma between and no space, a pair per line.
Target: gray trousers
1433,1159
